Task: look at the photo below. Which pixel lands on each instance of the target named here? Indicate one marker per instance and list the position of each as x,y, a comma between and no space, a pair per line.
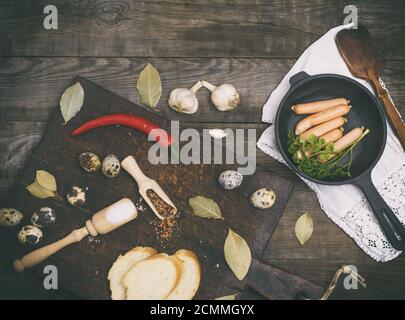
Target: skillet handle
276,284
393,229
298,77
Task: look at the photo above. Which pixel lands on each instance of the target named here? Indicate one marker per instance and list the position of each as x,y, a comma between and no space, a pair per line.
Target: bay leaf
71,101
149,86
205,208
38,192
230,297
304,228
46,180
237,254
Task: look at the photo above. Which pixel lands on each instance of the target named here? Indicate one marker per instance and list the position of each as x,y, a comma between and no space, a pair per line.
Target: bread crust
141,250
191,254
187,253
151,254
177,262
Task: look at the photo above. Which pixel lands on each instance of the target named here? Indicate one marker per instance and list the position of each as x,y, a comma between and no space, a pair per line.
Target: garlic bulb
224,97
184,100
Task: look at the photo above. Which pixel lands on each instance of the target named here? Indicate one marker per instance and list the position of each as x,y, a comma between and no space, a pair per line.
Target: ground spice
166,229
163,208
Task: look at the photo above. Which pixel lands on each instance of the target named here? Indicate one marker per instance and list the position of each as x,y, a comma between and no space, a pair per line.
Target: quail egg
76,196
89,162
263,198
43,217
230,179
30,235
110,166
10,217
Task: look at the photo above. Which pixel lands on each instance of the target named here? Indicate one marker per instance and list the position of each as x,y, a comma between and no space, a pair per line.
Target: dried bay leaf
46,180
237,254
71,101
44,185
149,86
230,297
304,228
205,208
38,192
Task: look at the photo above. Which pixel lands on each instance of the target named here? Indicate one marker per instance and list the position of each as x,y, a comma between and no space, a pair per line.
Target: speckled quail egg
263,198
10,217
89,162
111,166
30,235
230,179
43,217
76,196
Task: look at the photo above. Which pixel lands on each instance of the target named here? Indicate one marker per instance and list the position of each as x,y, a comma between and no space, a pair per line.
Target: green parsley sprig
305,153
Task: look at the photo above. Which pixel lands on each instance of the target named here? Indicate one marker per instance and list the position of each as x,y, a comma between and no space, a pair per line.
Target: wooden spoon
361,56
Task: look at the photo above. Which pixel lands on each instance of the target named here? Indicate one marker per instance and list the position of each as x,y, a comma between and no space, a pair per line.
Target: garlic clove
183,100
217,133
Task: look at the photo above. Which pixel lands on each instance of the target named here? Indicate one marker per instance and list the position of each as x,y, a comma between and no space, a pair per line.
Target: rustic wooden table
251,44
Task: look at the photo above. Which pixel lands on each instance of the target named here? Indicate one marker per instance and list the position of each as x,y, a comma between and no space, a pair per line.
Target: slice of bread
122,265
153,278
190,278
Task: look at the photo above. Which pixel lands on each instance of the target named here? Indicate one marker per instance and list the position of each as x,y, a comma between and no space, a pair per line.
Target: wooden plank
209,28
57,153
30,88
328,241
28,84
384,280
328,249
26,286
16,142
17,139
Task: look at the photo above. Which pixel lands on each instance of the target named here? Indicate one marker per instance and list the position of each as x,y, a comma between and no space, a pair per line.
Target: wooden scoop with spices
150,190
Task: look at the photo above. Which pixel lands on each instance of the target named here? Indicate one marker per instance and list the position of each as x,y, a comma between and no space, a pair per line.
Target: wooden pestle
102,222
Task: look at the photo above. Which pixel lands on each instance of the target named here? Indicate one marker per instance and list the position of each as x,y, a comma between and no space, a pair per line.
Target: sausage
332,136
317,106
324,128
321,117
346,141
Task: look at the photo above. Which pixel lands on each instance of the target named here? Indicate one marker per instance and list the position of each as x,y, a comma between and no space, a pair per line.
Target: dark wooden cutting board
83,267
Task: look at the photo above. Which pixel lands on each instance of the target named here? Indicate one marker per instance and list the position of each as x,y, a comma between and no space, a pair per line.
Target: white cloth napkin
346,204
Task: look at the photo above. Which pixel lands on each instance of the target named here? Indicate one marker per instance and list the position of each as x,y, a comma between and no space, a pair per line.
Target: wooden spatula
361,56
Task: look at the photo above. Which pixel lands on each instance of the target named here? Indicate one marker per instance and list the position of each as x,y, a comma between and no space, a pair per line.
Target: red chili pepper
128,120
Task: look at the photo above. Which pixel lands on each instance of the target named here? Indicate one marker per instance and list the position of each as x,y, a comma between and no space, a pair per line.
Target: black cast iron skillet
366,111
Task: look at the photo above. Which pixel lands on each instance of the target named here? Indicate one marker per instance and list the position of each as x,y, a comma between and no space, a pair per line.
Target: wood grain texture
31,87
209,28
43,80
57,153
384,280
97,38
